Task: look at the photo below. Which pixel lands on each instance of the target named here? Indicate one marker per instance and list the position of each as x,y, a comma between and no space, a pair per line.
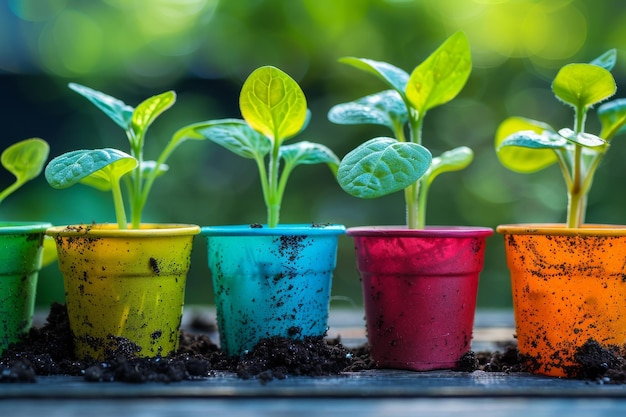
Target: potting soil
48,351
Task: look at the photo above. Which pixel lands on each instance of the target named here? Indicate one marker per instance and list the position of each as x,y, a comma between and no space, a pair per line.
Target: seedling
526,146
384,165
104,169
274,109
24,159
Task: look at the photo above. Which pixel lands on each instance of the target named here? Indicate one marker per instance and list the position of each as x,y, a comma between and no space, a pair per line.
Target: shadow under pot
124,289
569,288
271,281
419,292
21,249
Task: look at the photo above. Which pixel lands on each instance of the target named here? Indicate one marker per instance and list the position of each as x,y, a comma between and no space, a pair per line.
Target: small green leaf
25,159
583,85
148,110
442,76
308,153
393,76
147,169
453,160
518,157
273,104
607,60
612,116
583,139
385,108
382,166
96,168
116,109
233,134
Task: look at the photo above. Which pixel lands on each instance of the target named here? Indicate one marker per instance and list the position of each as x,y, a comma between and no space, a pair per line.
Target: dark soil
48,351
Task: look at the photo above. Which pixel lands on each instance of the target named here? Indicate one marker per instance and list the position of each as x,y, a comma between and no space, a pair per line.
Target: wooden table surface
371,393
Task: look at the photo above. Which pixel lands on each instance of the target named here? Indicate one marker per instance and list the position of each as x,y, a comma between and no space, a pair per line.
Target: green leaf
442,76
612,116
382,166
607,60
385,108
116,109
25,159
516,156
393,76
96,168
583,139
233,134
151,108
308,153
453,160
273,104
583,85
147,169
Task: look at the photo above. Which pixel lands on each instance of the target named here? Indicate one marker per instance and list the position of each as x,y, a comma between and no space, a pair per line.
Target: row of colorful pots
125,288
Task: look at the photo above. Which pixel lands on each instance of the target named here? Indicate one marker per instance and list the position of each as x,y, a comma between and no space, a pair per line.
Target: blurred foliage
204,49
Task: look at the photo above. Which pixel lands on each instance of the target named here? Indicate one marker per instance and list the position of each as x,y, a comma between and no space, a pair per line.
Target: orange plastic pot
124,289
569,286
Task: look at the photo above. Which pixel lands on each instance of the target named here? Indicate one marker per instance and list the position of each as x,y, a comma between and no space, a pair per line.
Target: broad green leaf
442,76
583,139
233,134
453,160
96,168
148,110
116,109
612,116
25,159
308,153
385,108
583,85
273,104
523,159
382,166
393,76
607,60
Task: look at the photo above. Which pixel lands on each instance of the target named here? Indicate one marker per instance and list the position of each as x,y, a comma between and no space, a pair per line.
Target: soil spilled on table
48,351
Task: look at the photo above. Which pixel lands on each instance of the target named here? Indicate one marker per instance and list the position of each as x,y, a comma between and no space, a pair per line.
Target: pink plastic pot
419,291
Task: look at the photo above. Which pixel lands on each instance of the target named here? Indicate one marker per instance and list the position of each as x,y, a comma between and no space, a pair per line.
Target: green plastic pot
124,288
271,281
21,248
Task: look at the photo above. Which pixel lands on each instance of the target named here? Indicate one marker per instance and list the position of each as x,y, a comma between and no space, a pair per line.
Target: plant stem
120,213
272,198
576,194
414,205
10,189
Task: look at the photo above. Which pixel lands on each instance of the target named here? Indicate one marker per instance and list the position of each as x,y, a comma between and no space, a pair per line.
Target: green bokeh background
204,50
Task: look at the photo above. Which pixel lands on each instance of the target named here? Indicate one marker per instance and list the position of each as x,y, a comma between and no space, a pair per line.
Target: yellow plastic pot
124,288
568,286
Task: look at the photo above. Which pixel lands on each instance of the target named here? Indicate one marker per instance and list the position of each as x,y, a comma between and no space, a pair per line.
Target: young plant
526,146
104,169
24,159
384,165
274,109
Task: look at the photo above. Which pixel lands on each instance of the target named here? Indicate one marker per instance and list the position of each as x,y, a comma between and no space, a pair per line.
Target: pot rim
112,230
560,229
308,229
429,231
10,227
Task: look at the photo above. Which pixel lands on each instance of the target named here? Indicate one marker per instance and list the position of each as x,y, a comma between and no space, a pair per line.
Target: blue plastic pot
271,281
